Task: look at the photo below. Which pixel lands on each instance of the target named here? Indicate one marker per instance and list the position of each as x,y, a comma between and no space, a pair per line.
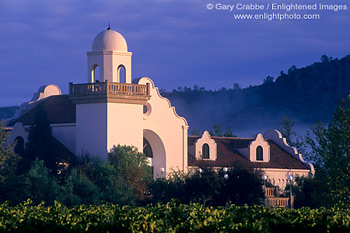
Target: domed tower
108,112
110,54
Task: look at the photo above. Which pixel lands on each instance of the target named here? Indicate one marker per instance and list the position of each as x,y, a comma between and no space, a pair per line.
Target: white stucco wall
276,136
100,126
279,177
166,133
259,141
206,139
91,129
125,125
109,61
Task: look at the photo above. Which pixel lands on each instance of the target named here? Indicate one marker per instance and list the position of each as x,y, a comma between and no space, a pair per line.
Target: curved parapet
145,80
277,137
42,93
161,118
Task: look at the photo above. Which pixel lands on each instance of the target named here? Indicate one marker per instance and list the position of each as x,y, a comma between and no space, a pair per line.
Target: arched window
121,74
19,148
95,74
259,153
205,151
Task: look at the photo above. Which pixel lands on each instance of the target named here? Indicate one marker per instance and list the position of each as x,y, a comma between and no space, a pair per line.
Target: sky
174,42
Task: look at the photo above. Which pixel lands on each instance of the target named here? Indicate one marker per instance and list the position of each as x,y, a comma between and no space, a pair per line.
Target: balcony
109,92
272,200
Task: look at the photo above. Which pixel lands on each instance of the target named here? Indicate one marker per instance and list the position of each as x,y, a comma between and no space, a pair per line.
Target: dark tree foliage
243,186
228,132
305,94
11,184
203,187
305,191
41,144
132,167
206,186
217,131
290,135
112,187
330,154
7,112
195,132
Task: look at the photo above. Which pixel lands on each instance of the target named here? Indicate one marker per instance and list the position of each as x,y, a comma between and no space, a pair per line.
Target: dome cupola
109,40
109,58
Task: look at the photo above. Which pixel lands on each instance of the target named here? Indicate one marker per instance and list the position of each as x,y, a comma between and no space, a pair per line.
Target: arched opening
205,151
121,74
259,153
95,74
158,152
147,149
19,148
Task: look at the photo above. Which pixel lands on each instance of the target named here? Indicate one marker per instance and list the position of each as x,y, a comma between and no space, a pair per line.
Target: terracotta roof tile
229,156
59,108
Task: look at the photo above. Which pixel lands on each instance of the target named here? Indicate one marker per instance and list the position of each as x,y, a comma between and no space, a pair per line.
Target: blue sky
174,42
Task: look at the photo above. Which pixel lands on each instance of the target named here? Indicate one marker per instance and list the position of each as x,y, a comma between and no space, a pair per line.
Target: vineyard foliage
170,217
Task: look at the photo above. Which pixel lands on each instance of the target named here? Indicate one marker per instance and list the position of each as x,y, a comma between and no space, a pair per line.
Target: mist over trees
307,95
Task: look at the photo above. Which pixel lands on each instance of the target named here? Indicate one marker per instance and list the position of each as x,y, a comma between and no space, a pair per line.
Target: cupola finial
109,26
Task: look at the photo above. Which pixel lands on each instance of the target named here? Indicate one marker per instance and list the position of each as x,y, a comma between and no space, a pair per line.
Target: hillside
7,112
306,95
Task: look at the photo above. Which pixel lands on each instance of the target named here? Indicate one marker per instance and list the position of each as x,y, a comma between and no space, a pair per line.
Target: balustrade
108,88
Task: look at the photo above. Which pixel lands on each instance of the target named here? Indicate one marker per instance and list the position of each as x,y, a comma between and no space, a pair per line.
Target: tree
12,186
195,132
203,187
228,132
305,191
206,186
132,166
41,144
331,155
217,131
241,186
173,187
41,185
8,158
80,190
236,87
268,79
290,135
112,187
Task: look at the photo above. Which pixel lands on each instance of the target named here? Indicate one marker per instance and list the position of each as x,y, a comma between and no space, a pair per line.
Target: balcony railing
77,90
273,200
277,202
271,191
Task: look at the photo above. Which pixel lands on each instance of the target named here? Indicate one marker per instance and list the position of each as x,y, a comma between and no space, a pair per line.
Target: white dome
109,40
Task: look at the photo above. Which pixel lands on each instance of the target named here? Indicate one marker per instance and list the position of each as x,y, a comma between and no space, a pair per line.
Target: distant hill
306,95
7,112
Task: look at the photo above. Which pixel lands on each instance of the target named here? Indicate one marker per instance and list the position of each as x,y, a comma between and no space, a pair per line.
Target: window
205,151
95,74
121,74
259,153
19,148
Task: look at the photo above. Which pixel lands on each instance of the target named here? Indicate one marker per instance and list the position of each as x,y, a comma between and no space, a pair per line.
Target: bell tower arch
109,53
108,111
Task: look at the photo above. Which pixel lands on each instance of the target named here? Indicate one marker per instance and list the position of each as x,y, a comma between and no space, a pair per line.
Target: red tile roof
60,109
227,155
